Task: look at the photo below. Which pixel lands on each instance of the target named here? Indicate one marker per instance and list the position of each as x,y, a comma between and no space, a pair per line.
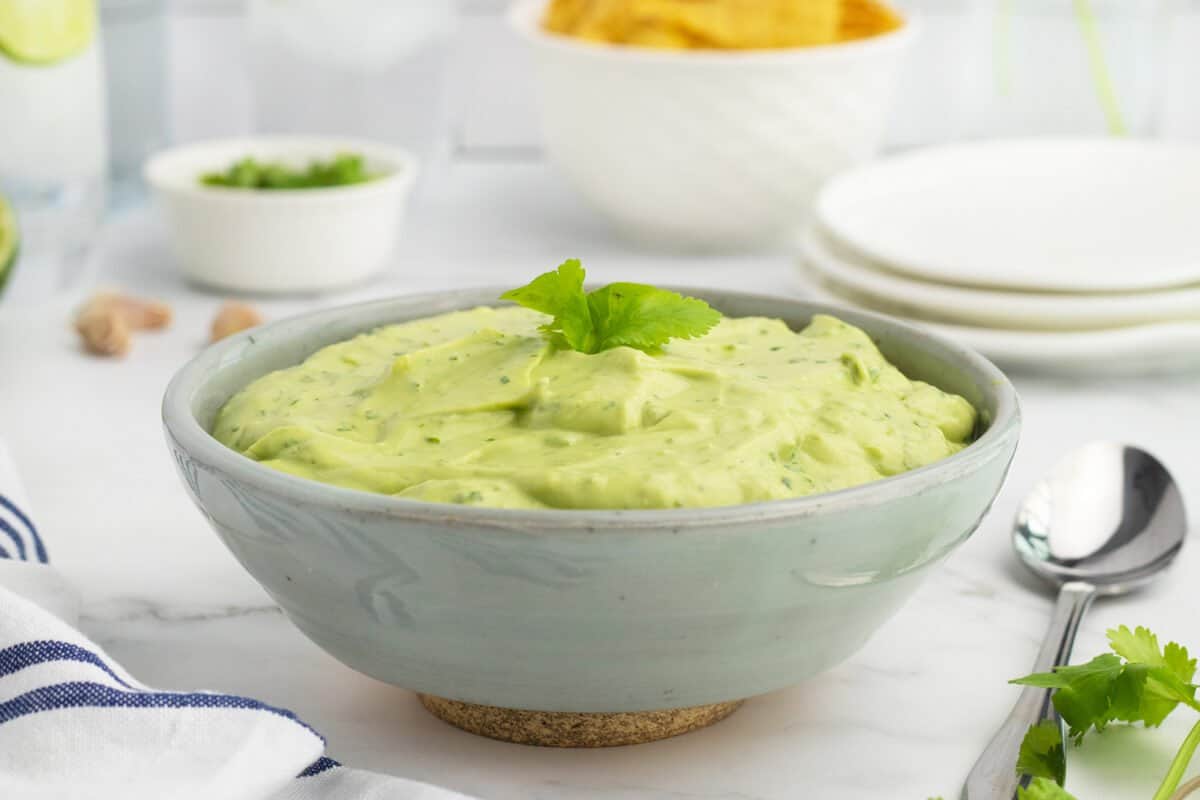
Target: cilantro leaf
1140,646
560,294
1168,675
1043,789
1084,692
1131,702
1042,753
1039,789
619,315
643,317
1175,658
1137,682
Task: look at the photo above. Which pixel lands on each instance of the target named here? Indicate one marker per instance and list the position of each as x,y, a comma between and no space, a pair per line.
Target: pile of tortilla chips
720,24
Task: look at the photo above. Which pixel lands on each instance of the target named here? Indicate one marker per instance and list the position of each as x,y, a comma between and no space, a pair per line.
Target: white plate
993,308
1140,350
1071,215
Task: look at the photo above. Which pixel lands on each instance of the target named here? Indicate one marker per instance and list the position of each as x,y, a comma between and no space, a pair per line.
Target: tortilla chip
720,24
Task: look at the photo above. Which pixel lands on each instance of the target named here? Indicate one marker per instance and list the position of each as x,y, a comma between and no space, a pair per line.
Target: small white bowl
280,241
708,149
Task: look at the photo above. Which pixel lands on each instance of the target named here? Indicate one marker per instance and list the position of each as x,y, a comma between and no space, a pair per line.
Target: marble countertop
903,719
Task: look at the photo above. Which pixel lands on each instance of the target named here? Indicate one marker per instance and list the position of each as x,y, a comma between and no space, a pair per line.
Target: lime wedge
42,32
8,241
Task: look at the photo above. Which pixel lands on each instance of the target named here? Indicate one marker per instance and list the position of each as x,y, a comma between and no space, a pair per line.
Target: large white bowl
708,149
299,240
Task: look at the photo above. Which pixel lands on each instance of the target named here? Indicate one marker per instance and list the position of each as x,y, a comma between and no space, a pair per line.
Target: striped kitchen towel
19,537
74,724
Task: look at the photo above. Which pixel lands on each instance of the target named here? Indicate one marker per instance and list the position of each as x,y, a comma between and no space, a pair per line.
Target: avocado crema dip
481,408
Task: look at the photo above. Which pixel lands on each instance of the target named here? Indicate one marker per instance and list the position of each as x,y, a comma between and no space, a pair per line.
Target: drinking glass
134,34
52,143
1076,67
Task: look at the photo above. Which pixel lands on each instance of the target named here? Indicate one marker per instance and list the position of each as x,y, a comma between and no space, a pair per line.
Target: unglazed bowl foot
570,729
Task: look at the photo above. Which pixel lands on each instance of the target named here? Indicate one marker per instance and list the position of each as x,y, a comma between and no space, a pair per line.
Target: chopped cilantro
344,169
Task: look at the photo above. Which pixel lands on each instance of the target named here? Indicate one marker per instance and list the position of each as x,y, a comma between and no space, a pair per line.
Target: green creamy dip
479,408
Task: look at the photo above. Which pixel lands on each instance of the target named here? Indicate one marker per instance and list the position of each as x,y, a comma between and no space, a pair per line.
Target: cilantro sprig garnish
1138,681
618,315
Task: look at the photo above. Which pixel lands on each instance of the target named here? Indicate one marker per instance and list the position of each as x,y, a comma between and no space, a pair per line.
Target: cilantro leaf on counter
1169,674
1140,646
1042,754
1039,789
1044,789
1084,693
619,315
1137,682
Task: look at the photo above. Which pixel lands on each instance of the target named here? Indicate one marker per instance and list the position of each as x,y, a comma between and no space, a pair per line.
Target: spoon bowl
1109,515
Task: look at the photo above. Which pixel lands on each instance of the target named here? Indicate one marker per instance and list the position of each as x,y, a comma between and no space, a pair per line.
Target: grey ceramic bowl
585,611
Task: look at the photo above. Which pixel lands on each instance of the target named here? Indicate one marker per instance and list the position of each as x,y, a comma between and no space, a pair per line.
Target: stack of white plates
1053,254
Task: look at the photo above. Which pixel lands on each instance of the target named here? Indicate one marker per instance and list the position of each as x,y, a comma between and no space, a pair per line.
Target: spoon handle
994,775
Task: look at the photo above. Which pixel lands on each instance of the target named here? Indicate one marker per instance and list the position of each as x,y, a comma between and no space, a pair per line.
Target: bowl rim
185,432
524,17
159,171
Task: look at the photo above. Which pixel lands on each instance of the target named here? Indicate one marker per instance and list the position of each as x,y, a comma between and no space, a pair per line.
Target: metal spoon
1107,519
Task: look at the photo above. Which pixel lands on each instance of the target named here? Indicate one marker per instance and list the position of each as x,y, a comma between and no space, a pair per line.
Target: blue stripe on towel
4,553
88,694
322,764
38,547
16,537
27,654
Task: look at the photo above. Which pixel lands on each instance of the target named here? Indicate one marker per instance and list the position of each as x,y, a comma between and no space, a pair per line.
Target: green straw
1001,48
1095,51
1104,87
